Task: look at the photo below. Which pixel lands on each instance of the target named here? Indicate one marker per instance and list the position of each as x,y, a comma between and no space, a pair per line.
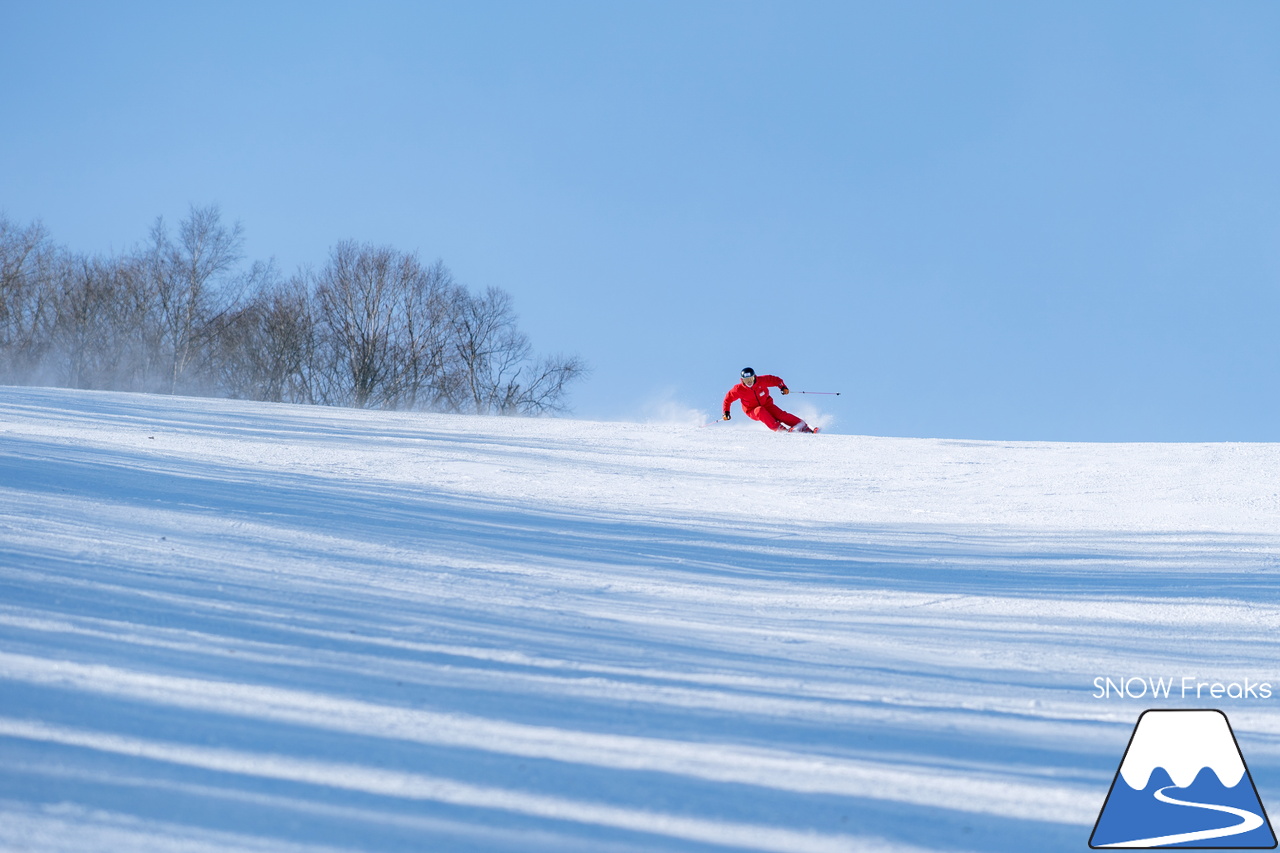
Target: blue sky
1053,221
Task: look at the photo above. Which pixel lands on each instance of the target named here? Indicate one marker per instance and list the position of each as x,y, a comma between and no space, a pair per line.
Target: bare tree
487,348
380,311
83,338
494,372
289,333
423,343
185,279
543,385
27,291
265,348
100,331
375,328
357,303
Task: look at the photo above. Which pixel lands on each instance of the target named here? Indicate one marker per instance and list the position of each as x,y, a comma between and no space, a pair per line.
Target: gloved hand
726,416
785,389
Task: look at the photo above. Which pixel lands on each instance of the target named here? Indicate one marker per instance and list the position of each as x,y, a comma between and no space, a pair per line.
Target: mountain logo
1183,783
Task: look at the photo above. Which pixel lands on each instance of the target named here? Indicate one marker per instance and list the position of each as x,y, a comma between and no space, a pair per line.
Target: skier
753,393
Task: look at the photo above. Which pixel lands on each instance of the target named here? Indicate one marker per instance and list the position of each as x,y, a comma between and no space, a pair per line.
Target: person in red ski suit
753,393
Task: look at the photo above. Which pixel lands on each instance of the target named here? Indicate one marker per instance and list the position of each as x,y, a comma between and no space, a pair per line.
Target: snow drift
236,626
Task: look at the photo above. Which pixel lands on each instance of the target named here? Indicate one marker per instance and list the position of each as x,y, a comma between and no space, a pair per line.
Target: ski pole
832,393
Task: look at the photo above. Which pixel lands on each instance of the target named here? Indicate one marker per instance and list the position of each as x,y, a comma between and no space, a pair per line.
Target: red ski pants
770,415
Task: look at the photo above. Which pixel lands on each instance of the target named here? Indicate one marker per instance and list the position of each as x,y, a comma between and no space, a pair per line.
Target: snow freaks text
1178,687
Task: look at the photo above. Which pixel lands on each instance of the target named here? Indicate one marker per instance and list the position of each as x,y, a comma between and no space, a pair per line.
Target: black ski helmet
747,372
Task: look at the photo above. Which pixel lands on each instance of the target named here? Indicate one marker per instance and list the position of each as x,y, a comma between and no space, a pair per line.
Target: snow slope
235,626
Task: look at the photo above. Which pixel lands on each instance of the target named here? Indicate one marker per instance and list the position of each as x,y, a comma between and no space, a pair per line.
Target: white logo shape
1183,783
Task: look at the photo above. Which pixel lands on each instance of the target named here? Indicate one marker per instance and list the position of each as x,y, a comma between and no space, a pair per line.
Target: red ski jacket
755,396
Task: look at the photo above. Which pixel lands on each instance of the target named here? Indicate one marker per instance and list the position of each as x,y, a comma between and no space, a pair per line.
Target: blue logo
1183,783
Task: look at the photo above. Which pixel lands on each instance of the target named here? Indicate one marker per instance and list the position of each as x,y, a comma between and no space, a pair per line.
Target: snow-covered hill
234,626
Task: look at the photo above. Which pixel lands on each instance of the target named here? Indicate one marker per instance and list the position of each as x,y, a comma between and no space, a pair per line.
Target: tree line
184,314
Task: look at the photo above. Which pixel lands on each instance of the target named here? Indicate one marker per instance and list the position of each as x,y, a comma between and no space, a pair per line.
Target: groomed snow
236,626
